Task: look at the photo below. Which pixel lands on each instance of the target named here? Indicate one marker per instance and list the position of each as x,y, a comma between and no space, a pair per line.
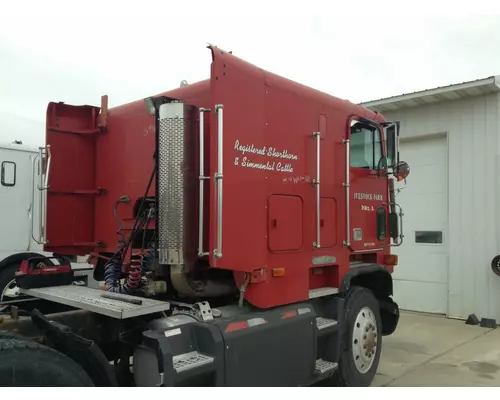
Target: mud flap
389,312
84,352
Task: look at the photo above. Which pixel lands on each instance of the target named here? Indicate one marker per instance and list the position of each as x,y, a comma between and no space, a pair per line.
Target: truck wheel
11,335
361,341
24,363
8,287
10,291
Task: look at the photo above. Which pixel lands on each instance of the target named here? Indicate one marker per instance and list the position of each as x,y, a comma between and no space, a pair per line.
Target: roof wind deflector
370,122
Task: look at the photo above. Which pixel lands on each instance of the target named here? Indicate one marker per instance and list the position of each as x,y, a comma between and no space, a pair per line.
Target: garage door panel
429,178
425,208
415,158
425,151
421,278
428,268
429,219
418,227
421,296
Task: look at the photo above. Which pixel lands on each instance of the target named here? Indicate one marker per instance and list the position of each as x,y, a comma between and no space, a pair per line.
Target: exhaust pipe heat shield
177,200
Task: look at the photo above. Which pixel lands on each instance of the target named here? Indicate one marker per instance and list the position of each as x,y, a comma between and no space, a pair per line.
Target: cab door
368,187
15,196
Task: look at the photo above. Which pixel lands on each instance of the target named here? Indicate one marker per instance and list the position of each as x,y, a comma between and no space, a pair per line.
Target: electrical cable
112,269
118,221
126,244
144,235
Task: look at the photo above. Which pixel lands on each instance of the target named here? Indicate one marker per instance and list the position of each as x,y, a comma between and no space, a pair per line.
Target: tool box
39,272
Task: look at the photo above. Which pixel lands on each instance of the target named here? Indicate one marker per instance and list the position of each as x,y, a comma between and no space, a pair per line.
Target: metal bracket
81,132
200,310
217,254
259,275
161,379
85,192
204,311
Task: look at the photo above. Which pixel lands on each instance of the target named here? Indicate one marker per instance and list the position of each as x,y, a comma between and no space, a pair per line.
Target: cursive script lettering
297,179
268,166
243,149
264,151
281,154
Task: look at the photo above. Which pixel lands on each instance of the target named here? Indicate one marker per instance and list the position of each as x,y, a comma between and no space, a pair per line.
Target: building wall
472,126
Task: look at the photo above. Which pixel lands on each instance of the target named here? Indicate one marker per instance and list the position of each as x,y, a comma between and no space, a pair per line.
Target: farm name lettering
272,152
367,196
264,151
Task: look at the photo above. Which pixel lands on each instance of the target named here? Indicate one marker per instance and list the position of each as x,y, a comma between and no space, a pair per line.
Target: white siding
473,129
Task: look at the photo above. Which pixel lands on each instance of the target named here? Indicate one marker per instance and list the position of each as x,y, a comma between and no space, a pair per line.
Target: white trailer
22,209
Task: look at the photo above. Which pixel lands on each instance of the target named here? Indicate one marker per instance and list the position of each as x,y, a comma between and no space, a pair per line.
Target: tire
355,367
6,277
12,335
7,274
24,363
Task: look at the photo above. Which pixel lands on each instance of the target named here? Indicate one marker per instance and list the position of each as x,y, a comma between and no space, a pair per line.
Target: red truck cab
270,200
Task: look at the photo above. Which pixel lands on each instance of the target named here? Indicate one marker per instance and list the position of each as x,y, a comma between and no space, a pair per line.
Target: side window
8,173
391,149
366,146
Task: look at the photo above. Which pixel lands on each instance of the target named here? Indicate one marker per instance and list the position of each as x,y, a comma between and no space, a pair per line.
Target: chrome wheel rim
364,340
10,291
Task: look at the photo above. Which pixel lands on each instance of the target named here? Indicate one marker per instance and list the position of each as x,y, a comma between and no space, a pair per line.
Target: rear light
391,259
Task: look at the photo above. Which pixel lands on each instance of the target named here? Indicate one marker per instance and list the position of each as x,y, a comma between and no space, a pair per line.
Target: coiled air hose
139,264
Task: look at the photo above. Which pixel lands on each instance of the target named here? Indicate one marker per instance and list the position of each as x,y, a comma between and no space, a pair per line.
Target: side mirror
401,170
391,131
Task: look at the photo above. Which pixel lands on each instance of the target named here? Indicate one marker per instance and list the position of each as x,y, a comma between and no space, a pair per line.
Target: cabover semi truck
241,228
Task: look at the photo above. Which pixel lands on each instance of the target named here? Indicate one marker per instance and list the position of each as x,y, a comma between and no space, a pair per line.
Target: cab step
323,367
323,323
322,292
191,360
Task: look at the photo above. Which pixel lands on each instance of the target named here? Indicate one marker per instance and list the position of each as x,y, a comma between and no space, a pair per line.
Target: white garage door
421,278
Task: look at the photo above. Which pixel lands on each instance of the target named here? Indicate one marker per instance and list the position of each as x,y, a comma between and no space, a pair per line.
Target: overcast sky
97,51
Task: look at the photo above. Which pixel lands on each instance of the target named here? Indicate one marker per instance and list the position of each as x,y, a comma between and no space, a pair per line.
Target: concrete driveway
436,351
